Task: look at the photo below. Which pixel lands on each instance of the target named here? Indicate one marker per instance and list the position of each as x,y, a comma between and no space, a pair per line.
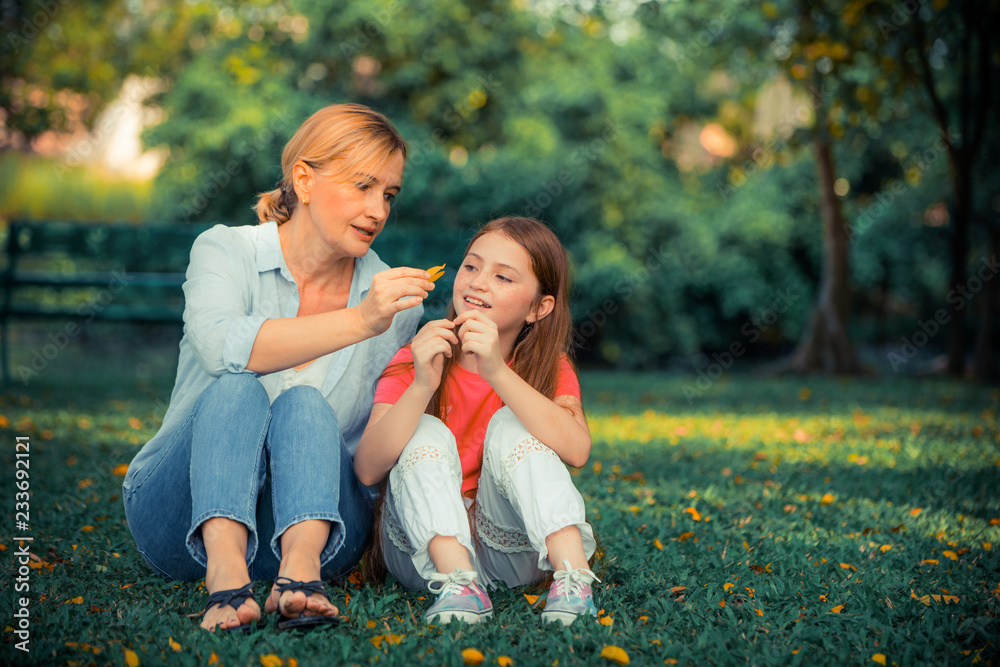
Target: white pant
525,494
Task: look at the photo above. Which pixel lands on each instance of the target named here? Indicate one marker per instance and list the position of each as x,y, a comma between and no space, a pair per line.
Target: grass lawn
769,521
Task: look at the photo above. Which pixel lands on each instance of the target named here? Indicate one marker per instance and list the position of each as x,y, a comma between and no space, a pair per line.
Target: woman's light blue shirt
237,278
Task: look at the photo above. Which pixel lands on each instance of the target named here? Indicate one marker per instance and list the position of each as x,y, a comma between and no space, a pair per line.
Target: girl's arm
559,423
391,426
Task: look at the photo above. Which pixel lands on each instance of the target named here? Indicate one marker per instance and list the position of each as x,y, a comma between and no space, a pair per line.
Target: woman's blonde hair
339,140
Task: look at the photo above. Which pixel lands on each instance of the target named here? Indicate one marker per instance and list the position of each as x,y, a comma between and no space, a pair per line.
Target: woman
287,326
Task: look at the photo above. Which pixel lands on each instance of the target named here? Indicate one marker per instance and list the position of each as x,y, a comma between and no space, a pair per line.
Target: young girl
482,410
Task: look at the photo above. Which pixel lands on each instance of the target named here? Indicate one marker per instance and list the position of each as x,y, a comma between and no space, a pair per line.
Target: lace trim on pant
515,457
415,457
500,539
396,533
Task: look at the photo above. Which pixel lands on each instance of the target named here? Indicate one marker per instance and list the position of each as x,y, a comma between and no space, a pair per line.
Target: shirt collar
269,255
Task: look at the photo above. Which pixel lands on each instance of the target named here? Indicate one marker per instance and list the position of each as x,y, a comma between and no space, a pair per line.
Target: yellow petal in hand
436,272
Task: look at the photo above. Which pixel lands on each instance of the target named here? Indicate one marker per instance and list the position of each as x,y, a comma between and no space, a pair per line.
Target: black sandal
303,622
234,597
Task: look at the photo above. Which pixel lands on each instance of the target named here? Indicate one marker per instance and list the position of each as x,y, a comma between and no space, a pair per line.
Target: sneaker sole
564,617
469,617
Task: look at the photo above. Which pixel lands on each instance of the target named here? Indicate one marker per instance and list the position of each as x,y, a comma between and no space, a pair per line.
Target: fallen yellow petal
174,645
659,545
694,513
929,561
120,469
532,599
131,659
951,554
471,656
388,639
885,547
726,586
87,529
504,661
213,659
271,660
913,512
77,600
837,609
879,658
615,654
607,620
827,499
759,612
987,545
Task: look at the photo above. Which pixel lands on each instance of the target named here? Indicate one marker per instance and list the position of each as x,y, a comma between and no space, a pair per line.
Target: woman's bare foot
224,616
293,604
300,549
225,548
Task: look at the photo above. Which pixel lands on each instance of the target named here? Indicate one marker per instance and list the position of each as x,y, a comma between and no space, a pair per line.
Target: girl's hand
481,338
430,346
387,296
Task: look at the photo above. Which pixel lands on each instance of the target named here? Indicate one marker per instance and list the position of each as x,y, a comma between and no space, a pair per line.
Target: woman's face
350,215
496,278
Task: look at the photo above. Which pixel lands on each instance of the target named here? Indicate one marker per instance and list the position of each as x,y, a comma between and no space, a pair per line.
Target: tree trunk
986,366
962,183
824,345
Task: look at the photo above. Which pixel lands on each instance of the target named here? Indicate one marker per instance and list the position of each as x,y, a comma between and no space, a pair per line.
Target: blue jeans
265,466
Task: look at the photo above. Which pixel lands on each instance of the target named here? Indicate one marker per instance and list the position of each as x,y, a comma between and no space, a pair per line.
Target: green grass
807,491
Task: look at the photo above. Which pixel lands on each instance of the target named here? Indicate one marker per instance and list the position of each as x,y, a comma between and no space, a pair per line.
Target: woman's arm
289,341
559,422
391,426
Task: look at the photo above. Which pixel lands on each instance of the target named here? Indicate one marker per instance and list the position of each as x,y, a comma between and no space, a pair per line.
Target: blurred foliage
35,187
586,115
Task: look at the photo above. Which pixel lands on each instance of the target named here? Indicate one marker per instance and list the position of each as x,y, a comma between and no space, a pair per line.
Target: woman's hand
430,346
387,296
481,338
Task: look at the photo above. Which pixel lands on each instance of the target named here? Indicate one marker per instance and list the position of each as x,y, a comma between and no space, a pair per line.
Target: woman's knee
240,392
304,404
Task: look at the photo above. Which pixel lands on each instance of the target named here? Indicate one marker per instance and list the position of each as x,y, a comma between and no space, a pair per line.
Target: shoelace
449,584
572,579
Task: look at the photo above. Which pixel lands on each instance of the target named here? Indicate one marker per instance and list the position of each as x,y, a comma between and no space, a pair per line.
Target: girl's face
496,278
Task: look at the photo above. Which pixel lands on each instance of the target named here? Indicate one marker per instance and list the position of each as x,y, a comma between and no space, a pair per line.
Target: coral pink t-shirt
471,404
